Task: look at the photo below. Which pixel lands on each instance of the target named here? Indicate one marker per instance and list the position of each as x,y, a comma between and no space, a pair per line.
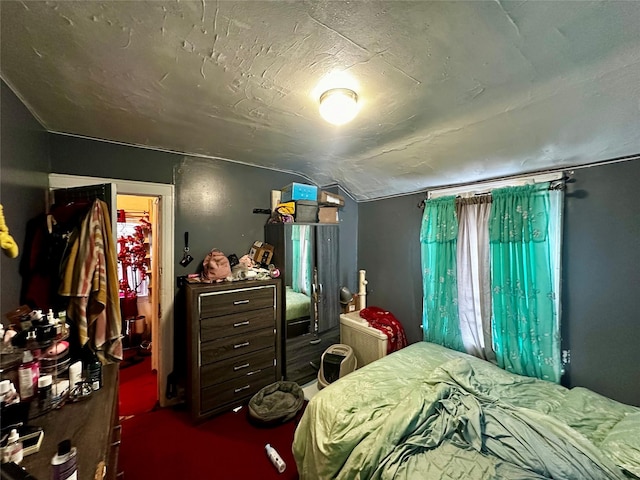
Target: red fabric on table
387,323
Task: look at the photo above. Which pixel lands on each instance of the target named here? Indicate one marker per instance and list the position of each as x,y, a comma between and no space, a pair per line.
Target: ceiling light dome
339,105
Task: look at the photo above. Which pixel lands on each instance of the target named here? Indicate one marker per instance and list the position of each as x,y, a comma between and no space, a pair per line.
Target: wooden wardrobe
311,312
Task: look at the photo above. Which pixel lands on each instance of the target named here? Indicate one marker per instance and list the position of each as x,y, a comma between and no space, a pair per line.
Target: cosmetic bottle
28,373
32,340
75,373
94,373
275,458
53,321
45,394
13,451
64,463
5,388
8,393
62,322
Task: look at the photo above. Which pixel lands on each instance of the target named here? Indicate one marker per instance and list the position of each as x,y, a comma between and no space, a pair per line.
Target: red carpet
138,387
164,444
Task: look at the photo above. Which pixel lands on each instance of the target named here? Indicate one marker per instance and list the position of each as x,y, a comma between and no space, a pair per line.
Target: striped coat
90,280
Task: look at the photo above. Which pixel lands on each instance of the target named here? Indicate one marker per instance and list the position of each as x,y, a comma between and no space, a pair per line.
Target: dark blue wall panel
24,165
601,287
389,250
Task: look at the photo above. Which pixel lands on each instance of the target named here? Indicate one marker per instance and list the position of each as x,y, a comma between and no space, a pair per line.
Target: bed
297,313
430,412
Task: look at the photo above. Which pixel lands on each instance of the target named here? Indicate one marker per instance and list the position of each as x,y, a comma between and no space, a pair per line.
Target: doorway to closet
162,337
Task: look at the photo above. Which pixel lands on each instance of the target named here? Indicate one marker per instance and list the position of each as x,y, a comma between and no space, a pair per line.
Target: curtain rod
554,184
488,185
568,168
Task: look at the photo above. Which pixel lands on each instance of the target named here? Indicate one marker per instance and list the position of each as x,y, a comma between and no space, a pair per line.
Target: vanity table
93,427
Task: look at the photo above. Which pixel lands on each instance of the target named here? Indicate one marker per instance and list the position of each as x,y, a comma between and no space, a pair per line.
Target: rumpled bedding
429,412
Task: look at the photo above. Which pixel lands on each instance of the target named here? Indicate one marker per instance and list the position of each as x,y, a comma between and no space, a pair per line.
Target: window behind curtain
527,340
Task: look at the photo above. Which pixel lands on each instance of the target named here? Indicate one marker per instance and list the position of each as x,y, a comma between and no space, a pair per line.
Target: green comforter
429,412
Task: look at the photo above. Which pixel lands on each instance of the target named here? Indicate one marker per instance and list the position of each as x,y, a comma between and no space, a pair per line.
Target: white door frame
167,290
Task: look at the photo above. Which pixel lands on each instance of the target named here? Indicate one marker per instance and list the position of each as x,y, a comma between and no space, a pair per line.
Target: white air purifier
337,361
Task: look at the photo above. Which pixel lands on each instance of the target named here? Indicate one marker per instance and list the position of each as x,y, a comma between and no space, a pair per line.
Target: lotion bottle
13,451
275,458
28,373
64,463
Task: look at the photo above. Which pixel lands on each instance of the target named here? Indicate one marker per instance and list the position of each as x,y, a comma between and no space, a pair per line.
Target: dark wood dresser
233,343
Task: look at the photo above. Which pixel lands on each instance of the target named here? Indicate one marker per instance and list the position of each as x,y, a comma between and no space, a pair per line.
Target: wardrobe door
327,265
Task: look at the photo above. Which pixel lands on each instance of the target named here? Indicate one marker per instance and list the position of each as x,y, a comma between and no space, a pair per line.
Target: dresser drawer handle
241,324
240,345
241,302
238,390
240,367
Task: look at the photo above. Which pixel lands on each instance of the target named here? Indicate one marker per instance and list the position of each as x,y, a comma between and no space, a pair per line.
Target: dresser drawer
234,301
229,347
235,391
242,366
235,324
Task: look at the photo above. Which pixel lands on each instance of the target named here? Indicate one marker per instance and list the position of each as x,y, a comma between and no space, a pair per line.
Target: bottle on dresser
64,463
13,452
28,373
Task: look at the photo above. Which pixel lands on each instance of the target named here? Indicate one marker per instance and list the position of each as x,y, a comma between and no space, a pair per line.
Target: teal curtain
525,326
301,261
438,239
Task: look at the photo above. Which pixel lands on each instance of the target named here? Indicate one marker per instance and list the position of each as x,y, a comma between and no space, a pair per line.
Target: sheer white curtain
474,275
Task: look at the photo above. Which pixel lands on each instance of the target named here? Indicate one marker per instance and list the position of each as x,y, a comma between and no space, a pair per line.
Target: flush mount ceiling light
339,105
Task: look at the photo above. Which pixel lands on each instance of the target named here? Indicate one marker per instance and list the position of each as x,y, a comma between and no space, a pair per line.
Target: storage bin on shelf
299,191
306,211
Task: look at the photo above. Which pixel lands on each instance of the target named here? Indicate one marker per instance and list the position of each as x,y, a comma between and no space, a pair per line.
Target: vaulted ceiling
450,91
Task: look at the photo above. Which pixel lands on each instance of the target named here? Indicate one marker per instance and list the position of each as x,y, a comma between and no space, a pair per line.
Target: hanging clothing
47,241
90,280
7,243
388,324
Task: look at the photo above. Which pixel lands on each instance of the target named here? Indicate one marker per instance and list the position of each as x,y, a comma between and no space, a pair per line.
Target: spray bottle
275,458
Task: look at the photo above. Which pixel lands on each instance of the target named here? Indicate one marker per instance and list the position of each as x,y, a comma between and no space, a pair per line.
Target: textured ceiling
450,92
